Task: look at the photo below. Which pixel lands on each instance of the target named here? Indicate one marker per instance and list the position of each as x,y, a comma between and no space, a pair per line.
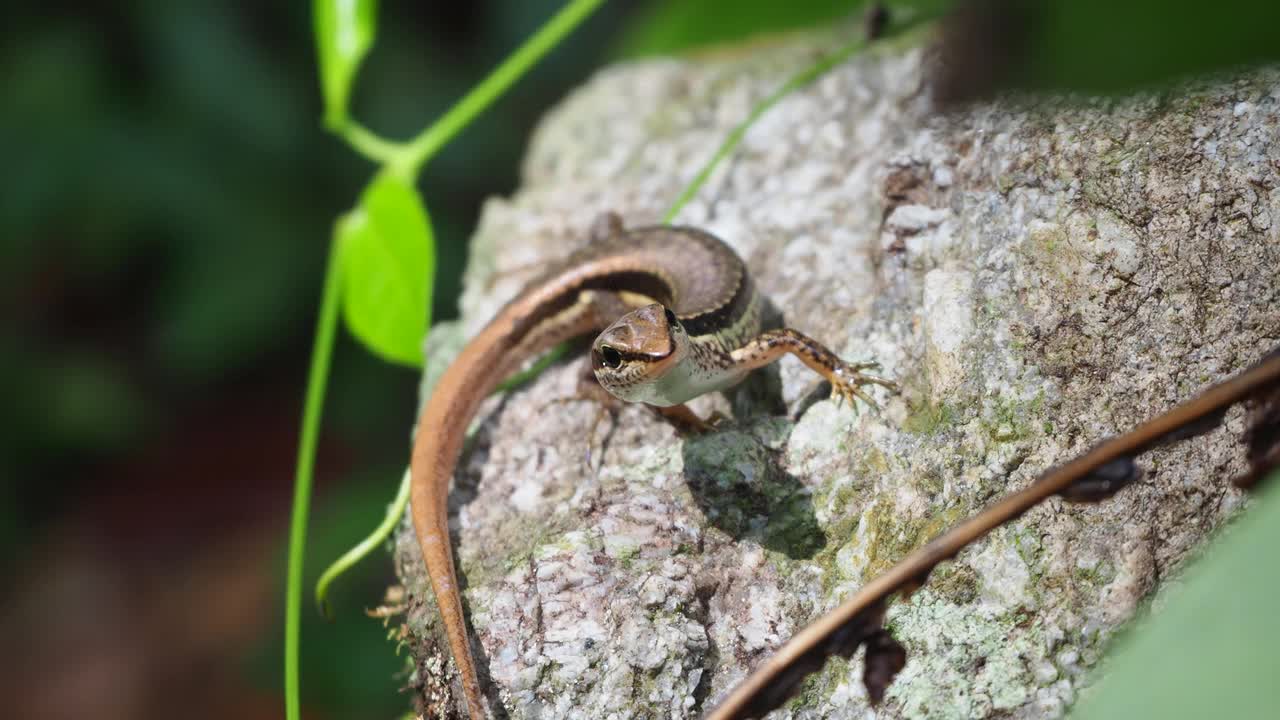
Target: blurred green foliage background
166,198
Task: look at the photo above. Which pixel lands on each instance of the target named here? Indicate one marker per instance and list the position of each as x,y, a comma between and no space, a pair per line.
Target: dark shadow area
737,479
736,474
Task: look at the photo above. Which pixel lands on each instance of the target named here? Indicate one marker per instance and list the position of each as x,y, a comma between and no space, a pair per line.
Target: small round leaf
388,262
344,31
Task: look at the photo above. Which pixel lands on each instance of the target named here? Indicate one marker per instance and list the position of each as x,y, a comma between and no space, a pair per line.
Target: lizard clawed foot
847,380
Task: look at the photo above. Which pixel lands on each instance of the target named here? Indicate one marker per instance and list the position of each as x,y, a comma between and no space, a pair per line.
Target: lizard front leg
846,379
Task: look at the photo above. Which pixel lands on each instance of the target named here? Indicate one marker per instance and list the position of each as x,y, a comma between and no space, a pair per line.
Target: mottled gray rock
1038,275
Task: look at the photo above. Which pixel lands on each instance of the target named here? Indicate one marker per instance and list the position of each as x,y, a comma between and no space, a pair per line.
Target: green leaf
388,261
1210,652
1115,47
344,33
673,26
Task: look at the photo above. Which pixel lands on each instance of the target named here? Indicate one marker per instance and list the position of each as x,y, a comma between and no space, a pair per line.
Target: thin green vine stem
366,546
898,27
799,80
371,145
313,406
397,507
424,147
533,370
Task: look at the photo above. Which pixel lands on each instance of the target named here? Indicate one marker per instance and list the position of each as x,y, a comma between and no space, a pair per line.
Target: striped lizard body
681,317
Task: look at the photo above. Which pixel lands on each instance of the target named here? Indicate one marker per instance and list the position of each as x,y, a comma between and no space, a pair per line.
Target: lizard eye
610,357
671,317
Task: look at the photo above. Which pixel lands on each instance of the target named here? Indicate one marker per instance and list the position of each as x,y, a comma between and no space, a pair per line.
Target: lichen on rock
1036,274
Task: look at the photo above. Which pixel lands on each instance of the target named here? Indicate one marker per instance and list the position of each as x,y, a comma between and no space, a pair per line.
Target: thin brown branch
778,676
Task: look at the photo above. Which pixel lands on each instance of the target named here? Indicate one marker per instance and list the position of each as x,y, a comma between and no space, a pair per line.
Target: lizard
681,317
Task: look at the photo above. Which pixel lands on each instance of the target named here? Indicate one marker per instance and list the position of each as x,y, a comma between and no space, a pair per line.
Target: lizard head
637,350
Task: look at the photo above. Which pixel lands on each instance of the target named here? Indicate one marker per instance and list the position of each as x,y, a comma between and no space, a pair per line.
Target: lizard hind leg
685,420
847,379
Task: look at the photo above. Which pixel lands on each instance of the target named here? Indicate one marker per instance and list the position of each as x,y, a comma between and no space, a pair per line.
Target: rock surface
1038,275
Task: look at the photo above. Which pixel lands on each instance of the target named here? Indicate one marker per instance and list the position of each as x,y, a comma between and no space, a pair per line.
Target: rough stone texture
1038,275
